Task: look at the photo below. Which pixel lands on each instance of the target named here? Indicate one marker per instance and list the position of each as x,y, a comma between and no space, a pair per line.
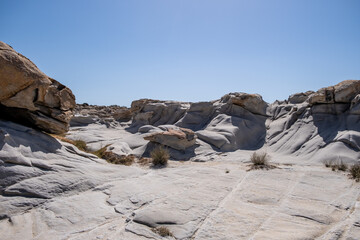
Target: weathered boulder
346,90
155,112
30,97
299,97
342,92
323,95
251,102
177,138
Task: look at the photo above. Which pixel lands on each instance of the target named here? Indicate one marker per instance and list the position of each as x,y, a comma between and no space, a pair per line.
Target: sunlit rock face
49,189
30,97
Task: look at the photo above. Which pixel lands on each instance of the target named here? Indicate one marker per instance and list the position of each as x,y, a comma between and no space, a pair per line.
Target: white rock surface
218,199
51,190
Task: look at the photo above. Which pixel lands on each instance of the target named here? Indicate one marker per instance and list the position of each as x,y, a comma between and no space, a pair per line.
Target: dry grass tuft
143,161
340,165
113,158
81,145
260,161
160,156
162,231
100,152
109,156
355,172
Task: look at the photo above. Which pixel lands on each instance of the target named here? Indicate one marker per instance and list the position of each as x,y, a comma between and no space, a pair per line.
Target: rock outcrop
327,118
176,138
85,114
324,126
30,97
155,112
342,92
251,102
51,190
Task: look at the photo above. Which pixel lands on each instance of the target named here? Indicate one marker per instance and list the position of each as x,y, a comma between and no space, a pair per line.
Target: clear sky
117,51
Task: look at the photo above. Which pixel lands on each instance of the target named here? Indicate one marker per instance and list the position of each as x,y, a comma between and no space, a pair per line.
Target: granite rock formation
49,189
28,96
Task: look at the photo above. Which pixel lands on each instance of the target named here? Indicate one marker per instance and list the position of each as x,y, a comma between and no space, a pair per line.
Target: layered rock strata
30,97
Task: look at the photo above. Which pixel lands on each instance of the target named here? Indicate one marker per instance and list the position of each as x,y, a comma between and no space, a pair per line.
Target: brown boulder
323,95
346,90
299,97
177,138
30,97
343,92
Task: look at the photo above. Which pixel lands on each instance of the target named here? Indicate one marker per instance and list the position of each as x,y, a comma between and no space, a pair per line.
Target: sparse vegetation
113,158
260,159
100,153
160,156
144,161
80,144
162,231
117,159
327,163
340,165
355,172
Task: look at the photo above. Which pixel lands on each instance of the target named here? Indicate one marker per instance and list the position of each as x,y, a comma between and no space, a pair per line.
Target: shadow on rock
230,133
174,154
330,126
16,135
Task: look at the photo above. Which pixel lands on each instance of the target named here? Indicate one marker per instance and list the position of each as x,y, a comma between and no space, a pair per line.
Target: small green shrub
162,231
355,172
160,156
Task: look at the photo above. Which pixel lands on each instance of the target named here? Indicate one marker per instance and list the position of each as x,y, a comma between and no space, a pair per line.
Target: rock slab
177,138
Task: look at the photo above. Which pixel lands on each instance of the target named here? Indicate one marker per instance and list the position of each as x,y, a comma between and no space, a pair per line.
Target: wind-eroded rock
155,112
342,92
251,102
177,138
29,96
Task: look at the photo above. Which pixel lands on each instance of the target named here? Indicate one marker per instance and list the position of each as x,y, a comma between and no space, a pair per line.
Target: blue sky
117,51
